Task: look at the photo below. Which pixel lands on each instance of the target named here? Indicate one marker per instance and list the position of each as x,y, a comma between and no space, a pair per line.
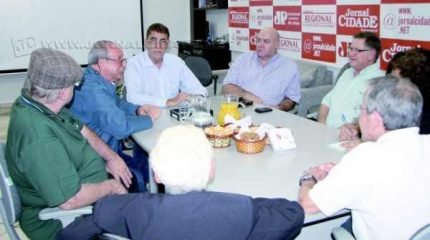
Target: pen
344,118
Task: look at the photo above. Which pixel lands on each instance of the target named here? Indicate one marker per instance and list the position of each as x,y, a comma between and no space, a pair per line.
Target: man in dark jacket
182,160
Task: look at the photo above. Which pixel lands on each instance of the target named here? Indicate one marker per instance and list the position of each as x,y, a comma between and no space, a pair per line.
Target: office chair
314,110
202,70
340,233
10,205
422,234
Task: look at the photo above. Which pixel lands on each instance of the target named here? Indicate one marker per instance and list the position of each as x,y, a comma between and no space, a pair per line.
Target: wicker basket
246,146
219,141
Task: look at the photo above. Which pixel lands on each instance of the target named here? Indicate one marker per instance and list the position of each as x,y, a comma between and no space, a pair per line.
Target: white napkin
244,122
264,128
281,139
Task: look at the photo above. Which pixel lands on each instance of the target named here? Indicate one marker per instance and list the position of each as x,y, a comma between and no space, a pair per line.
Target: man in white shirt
383,181
159,78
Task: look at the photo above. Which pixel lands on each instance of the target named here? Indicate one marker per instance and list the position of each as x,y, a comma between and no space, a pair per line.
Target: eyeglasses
162,43
350,49
122,60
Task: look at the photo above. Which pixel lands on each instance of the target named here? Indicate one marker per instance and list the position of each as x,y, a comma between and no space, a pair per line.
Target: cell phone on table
263,109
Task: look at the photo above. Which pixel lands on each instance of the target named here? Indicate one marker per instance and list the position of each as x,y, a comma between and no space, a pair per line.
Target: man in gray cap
55,160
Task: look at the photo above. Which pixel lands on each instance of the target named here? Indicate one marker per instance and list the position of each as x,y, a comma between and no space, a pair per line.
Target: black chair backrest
201,69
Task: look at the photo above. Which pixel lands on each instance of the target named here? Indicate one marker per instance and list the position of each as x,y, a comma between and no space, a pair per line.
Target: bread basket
218,139
250,146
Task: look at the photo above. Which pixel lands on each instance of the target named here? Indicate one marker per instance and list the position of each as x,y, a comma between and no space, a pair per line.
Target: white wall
10,87
175,14
218,22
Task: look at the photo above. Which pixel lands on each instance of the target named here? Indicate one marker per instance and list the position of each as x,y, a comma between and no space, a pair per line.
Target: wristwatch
307,177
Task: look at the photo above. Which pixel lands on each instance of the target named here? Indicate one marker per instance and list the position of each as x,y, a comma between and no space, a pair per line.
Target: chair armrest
340,233
311,97
65,216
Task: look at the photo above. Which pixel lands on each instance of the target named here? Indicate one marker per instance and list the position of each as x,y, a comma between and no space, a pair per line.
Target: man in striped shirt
265,76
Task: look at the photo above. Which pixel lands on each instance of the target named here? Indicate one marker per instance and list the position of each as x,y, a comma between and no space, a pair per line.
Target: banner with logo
321,30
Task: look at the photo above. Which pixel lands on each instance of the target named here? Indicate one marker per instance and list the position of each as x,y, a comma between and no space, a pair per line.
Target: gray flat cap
53,69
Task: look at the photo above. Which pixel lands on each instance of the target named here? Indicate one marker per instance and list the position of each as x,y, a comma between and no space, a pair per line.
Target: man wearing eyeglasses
159,78
383,181
110,117
338,107
265,76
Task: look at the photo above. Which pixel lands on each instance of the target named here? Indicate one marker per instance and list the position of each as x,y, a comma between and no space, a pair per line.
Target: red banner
238,17
321,47
405,1
318,2
260,2
352,19
287,18
392,46
253,38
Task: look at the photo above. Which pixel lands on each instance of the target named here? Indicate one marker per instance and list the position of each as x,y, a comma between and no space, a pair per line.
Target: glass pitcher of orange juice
229,105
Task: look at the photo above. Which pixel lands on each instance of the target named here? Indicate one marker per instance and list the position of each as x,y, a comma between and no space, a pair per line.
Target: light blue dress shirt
345,98
278,79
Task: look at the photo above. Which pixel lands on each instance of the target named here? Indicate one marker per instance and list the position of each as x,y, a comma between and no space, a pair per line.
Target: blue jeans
139,167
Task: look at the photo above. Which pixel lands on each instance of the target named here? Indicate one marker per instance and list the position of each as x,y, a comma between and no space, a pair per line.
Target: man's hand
119,170
286,104
349,145
116,187
252,97
320,172
236,90
349,131
149,110
177,99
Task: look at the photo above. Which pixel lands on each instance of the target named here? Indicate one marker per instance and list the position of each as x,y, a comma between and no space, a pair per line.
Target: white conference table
266,174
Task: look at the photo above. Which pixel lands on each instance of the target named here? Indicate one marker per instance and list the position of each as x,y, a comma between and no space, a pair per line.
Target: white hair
182,159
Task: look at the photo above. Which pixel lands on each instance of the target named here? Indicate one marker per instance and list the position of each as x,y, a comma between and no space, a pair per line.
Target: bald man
264,76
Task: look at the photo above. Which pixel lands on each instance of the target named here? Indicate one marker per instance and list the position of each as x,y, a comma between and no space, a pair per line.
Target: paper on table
264,128
281,139
244,122
337,146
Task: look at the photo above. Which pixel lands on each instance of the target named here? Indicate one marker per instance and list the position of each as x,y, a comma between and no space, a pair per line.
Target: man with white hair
182,159
386,175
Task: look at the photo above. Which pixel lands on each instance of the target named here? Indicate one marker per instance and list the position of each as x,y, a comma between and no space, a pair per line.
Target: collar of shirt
394,134
271,60
369,69
148,62
27,100
94,75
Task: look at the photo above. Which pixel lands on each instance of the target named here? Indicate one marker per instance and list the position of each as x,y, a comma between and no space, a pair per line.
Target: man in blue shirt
265,76
110,117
